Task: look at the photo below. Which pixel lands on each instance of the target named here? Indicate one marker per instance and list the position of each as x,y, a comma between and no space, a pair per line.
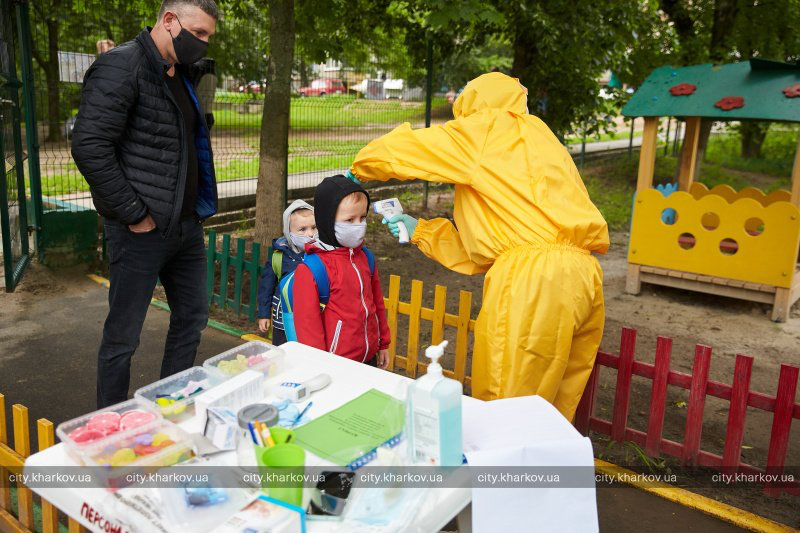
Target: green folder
349,435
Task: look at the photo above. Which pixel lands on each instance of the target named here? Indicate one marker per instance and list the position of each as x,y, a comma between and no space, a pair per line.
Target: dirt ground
729,326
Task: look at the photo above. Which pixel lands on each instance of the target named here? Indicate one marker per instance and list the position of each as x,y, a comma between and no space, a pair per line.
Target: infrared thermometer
389,208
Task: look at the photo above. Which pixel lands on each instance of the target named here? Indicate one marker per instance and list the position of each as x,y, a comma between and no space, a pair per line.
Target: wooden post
22,445
437,325
46,439
647,155
633,283
658,396
697,402
413,328
731,456
782,304
392,305
622,397
5,489
647,166
796,178
462,334
689,153
781,424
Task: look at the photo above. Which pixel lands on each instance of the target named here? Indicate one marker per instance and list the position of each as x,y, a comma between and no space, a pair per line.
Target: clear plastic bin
260,356
96,428
145,450
173,408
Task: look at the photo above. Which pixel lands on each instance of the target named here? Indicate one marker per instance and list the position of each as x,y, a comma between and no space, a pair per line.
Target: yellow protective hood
491,91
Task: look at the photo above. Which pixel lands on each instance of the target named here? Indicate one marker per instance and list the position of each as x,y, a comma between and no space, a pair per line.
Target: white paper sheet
528,431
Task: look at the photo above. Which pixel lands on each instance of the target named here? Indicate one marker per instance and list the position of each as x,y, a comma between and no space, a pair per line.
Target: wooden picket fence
782,405
232,268
234,264
12,461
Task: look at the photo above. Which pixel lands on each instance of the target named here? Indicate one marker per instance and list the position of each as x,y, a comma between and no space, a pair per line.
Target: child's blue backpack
317,268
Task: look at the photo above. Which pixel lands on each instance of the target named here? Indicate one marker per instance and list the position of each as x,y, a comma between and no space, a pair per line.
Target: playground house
741,244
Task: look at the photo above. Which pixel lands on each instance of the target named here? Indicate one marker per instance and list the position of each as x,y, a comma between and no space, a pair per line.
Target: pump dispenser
434,415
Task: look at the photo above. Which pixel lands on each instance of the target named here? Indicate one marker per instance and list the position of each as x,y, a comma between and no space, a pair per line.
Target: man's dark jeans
136,262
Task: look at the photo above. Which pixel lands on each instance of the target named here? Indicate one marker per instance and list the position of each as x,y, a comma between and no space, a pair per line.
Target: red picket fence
782,405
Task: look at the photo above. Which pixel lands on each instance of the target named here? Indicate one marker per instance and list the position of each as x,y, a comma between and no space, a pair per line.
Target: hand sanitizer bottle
434,415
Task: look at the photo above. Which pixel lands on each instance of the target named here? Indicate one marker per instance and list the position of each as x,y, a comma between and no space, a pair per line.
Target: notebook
349,435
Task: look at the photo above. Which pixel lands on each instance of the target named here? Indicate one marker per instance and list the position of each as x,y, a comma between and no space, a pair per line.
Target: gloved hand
409,221
352,177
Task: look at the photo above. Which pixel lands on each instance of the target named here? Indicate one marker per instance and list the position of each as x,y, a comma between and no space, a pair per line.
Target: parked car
251,87
323,87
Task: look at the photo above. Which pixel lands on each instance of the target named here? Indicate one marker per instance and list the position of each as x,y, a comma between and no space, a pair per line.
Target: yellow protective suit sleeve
446,154
438,239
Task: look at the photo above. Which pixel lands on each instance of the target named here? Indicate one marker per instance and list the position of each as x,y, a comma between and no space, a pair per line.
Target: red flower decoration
683,89
792,91
730,102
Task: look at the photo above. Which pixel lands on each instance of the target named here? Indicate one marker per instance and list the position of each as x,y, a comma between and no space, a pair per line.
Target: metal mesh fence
337,106
13,197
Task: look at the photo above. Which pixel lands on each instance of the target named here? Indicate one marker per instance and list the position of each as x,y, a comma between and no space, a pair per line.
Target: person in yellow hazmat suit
522,216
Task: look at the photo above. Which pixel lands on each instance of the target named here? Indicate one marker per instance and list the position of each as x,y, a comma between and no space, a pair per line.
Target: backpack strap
317,268
370,260
277,262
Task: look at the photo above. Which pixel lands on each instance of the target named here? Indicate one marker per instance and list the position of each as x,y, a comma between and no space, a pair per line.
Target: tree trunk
303,73
725,13
753,135
274,147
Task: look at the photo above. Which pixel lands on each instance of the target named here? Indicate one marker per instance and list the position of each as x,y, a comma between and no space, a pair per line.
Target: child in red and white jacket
353,323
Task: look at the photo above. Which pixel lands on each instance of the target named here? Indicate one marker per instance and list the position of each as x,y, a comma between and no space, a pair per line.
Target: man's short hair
208,6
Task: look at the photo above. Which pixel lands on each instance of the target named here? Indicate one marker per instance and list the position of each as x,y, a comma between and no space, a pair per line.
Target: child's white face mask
300,241
350,235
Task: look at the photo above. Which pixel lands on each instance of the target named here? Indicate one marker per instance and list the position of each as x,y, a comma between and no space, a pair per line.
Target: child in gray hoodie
299,229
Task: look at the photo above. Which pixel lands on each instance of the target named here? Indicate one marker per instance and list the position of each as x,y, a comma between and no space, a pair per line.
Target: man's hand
383,359
263,325
147,224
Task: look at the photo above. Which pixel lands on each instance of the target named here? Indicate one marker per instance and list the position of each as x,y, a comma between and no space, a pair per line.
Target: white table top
349,380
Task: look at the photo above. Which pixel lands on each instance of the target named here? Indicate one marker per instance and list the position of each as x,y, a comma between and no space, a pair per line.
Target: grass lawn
328,112
613,180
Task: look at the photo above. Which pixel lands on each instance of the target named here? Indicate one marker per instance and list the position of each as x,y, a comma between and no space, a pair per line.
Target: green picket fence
238,293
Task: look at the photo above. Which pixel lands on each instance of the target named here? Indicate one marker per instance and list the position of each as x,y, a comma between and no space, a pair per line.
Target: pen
254,434
267,435
300,416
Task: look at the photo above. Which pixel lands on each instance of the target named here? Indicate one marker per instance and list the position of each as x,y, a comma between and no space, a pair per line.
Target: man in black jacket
142,143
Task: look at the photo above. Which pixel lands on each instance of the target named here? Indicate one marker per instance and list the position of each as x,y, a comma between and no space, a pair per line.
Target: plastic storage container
148,448
98,427
170,398
254,355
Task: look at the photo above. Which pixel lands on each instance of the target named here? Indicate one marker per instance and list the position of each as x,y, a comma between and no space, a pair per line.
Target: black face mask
188,48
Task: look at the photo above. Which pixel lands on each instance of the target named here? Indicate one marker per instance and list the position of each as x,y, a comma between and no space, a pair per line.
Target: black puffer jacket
128,139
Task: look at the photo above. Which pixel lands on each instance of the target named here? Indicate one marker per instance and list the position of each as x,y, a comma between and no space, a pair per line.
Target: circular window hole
669,216
686,241
710,221
754,226
728,246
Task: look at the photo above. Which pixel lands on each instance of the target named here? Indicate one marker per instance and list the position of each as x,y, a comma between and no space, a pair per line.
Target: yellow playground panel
742,244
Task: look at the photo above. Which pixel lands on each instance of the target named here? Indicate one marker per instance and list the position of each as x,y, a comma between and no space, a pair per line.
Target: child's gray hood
294,206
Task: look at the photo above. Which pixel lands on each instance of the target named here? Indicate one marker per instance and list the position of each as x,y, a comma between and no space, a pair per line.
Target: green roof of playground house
760,83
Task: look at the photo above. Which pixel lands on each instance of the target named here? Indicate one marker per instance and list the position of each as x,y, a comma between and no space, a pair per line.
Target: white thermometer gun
389,208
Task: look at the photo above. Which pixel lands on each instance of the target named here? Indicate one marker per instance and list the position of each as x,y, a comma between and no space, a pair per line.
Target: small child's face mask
300,241
350,235
351,221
